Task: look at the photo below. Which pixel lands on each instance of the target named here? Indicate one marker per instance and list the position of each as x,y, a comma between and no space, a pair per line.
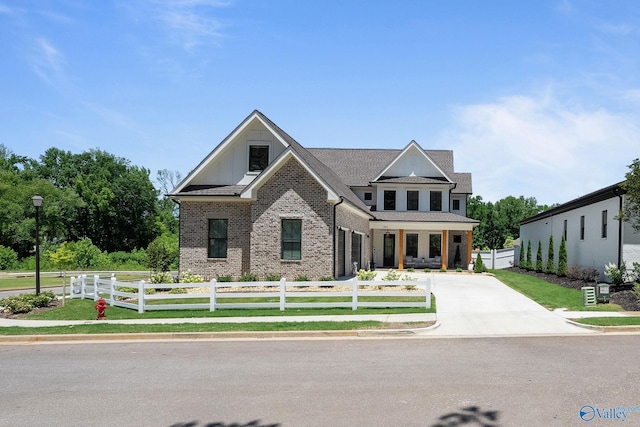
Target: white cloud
616,29
46,61
540,147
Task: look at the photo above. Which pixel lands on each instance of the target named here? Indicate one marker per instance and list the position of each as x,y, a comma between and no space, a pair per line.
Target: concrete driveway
478,305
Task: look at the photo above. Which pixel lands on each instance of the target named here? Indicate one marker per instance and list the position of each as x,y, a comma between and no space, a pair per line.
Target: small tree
551,263
479,267
521,261
61,258
529,260
562,258
539,258
163,252
631,209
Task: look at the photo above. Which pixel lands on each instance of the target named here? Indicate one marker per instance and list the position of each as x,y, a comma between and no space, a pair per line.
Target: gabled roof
412,147
325,176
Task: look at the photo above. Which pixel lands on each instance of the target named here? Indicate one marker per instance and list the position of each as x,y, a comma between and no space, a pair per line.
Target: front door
389,252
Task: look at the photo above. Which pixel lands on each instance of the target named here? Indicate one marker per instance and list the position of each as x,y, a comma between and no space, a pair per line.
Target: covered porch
403,244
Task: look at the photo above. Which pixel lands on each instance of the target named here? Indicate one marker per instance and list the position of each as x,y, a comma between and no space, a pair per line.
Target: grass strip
78,309
547,294
610,321
106,328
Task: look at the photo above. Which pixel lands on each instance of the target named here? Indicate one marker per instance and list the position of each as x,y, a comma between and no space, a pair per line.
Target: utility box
602,292
588,296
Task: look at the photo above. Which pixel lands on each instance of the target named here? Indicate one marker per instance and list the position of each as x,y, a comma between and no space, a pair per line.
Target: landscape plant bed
621,296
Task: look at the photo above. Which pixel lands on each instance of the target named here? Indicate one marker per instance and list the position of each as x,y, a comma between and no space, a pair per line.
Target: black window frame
455,205
290,241
605,221
368,196
435,201
218,238
413,204
411,247
258,157
389,200
582,221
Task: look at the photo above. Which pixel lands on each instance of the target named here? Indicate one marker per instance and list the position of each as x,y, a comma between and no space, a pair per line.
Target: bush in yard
87,255
272,278
24,303
248,277
178,291
163,277
529,260
618,275
188,277
551,263
224,278
301,278
392,275
8,258
539,258
326,279
562,259
163,252
521,260
587,274
366,274
479,267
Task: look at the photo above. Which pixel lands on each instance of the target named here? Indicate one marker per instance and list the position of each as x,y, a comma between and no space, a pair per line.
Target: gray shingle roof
212,190
422,217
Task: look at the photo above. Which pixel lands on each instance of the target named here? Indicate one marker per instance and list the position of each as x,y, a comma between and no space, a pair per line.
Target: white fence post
283,293
112,288
428,290
141,296
83,284
96,279
354,297
212,295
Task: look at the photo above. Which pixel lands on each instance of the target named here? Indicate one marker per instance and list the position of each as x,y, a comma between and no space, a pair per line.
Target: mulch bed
622,296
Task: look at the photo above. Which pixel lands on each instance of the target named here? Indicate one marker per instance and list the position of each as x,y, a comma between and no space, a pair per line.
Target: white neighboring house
593,235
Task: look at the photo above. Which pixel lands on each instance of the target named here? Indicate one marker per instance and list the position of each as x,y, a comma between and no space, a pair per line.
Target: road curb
606,329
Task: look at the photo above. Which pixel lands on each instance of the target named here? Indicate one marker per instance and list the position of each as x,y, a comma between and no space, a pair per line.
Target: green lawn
547,294
106,328
28,280
610,321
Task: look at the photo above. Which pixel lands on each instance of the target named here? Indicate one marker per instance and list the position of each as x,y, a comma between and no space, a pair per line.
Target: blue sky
536,98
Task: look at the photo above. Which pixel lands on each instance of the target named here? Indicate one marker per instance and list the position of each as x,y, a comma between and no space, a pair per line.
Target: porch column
469,246
401,251
444,249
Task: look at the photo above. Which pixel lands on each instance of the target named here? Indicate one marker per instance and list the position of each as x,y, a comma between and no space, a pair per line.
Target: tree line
93,196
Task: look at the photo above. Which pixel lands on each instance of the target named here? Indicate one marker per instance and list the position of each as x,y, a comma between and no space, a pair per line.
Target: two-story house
262,203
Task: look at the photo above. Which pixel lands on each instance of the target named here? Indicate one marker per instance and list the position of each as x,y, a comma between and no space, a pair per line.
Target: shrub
8,258
539,258
588,274
409,287
248,277
392,275
618,275
134,260
562,259
301,278
163,277
410,269
327,278
24,303
224,278
188,277
443,270
178,291
551,263
458,270
366,274
521,260
479,267
163,252
529,261
427,270
408,278
272,278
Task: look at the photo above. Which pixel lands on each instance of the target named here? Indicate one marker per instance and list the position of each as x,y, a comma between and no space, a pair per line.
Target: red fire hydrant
101,306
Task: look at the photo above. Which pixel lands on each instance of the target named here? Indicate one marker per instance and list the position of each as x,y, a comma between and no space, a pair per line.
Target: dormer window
258,157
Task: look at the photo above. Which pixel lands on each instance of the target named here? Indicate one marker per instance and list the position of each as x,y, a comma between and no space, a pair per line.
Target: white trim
409,225
250,190
403,152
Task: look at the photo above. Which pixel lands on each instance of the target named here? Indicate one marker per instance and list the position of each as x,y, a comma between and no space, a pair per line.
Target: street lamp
37,202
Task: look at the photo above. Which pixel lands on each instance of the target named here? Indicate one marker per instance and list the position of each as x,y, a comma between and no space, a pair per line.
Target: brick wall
194,223
451,249
291,193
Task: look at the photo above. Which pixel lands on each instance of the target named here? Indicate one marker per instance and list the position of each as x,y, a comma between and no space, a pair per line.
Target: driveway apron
478,305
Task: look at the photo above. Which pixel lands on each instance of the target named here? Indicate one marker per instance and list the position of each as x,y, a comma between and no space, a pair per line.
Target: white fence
277,293
496,258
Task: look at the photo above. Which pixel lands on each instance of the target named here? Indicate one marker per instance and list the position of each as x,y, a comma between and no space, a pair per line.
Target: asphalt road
538,381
